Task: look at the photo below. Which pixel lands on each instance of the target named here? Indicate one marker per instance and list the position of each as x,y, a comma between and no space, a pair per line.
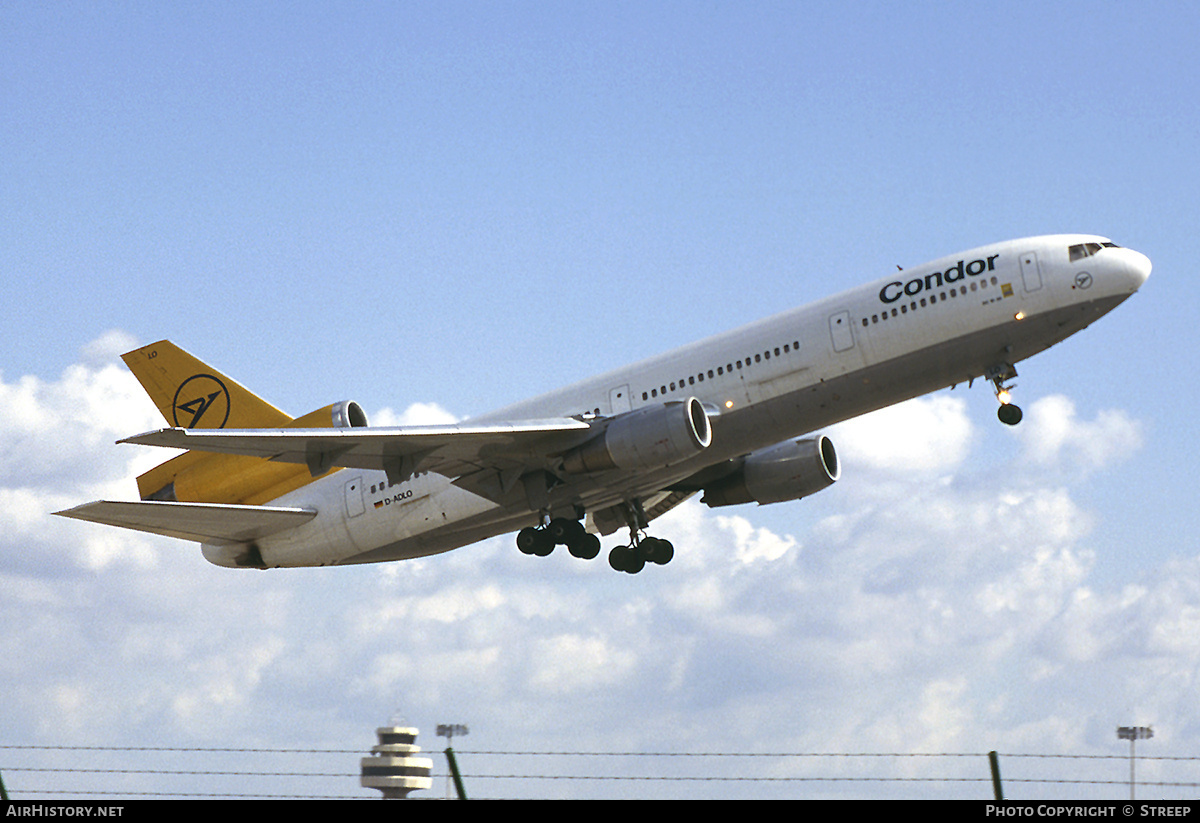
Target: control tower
392,768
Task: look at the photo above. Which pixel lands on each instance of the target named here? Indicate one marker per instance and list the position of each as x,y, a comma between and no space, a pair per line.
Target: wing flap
213,523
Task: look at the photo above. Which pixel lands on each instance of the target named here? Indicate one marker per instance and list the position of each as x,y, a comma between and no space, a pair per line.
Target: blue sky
458,205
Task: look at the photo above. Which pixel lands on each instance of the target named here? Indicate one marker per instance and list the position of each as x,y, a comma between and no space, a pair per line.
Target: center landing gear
1009,413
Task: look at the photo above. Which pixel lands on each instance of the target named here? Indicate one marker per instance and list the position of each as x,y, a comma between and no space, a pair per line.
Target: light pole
1133,734
448,730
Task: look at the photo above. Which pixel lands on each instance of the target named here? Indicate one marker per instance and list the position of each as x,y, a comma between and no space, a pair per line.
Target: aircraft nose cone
1139,267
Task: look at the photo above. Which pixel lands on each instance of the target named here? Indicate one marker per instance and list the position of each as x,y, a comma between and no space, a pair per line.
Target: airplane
733,418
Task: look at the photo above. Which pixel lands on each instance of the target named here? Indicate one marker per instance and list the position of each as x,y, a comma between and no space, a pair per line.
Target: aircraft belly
319,543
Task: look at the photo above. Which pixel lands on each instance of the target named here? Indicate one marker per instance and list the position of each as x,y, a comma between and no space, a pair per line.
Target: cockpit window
1082,250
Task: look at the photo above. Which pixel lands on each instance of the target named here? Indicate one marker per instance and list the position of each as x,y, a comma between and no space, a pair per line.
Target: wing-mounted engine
651,437
785,471
202,477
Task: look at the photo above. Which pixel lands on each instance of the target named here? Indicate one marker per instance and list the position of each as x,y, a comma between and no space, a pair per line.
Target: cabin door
1031,273
840,331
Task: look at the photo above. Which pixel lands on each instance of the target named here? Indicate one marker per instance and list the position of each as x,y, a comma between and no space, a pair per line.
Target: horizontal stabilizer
213,523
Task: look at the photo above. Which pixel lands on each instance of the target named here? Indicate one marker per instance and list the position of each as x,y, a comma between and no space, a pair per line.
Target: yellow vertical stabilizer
191,394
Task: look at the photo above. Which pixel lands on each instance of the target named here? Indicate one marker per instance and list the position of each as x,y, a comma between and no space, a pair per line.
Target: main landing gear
563,531
642,548
560,531
1009,413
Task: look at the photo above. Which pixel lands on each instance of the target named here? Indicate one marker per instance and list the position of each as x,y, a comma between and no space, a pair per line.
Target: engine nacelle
345,414
647,438
786,471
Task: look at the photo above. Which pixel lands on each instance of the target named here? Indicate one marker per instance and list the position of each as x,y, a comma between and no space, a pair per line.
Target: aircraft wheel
586,547
658,551
527,539
564,530
616,558
1009,414
534,541
623,559
634,564
545,544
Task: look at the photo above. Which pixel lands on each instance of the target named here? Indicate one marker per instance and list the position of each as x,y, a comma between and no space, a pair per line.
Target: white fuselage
913,332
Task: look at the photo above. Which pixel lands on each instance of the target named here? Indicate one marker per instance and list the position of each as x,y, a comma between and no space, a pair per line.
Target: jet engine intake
345,414
786,471
647,438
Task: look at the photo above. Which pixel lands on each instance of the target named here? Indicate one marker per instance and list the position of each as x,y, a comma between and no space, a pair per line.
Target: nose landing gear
1009,413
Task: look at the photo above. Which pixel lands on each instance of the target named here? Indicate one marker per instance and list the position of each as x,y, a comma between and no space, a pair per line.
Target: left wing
215,523
451,450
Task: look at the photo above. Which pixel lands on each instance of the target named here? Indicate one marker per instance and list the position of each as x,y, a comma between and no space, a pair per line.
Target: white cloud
417,414
1053,434
755,543
958,605
928,435
571,664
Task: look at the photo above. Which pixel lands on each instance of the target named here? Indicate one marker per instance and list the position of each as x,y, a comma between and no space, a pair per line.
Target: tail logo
201,396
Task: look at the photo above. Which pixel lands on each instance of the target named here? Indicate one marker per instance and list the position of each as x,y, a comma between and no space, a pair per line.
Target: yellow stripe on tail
191,394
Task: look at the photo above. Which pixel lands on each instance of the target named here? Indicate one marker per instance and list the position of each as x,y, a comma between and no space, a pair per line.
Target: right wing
214,523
